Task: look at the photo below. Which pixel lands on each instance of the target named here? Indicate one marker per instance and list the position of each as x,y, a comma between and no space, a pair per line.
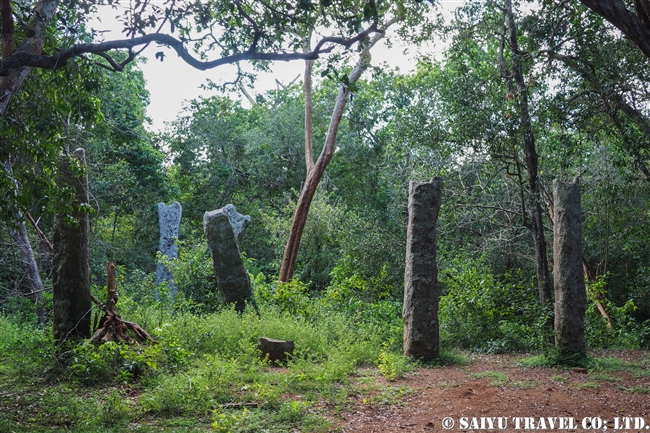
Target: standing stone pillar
570,294
169,218
71,260
421,330
223,229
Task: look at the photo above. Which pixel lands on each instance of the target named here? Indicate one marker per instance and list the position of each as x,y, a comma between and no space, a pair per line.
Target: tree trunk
309,189
32,44
617,13
532,168
34,283
71,261
315,171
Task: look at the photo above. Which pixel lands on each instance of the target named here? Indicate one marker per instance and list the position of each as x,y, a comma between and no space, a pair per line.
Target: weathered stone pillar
169,218
421,339
71,261
570,295
223,229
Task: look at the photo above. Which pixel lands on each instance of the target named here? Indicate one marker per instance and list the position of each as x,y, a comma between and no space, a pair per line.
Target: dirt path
526,399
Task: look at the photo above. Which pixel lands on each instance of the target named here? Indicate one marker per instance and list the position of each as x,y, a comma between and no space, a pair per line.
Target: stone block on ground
275,350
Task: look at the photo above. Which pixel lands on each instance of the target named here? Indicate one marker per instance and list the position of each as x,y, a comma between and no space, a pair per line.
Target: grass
588,385
499,378
204,374
562,378
635,389
605,377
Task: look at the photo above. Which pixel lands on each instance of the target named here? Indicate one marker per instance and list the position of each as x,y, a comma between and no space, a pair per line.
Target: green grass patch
635,389
604,377
205,373
499,378
560,378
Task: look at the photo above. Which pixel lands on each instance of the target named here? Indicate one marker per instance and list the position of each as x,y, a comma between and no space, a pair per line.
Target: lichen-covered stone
169,218
570,295
420,313
232,278
239,222
71,259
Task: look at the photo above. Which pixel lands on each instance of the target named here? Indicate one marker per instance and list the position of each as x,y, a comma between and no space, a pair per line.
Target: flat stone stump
569,282
420,313
275,350
222,232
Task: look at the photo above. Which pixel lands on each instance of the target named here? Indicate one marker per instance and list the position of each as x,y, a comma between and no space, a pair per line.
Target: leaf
160,55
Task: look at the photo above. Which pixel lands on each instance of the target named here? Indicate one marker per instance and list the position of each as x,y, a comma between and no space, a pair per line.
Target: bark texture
421,329
570,293
169,218
222,233
71,261
617,13
32,44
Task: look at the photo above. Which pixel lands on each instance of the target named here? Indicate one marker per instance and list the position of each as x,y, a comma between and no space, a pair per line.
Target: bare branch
26,59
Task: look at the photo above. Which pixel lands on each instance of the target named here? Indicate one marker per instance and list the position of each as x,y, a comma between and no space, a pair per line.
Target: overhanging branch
24,59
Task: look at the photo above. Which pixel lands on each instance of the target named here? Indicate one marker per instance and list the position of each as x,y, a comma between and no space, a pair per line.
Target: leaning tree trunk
71,261
532,163
316,170
32,273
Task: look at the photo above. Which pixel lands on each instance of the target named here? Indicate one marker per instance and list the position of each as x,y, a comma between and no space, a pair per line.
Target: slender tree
315,170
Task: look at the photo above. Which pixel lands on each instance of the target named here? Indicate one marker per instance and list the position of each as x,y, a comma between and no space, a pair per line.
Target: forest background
463,118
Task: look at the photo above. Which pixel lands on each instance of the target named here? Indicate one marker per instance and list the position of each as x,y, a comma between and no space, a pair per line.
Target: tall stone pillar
71,260
224,229
421,330
570,294
169,218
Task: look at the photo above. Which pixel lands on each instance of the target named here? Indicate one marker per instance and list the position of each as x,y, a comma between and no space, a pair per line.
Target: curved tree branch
28,59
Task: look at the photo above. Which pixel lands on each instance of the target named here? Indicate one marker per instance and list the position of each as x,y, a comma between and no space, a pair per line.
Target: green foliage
393,365
481,312
193,274
121,362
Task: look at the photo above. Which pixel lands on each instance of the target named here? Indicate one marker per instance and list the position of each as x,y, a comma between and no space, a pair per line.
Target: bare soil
499,386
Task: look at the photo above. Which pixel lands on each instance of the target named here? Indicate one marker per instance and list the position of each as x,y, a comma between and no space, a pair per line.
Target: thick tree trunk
32,44
570,293
617,13
71,261
532,164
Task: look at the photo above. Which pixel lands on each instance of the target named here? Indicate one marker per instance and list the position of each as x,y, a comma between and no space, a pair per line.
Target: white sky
172,82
